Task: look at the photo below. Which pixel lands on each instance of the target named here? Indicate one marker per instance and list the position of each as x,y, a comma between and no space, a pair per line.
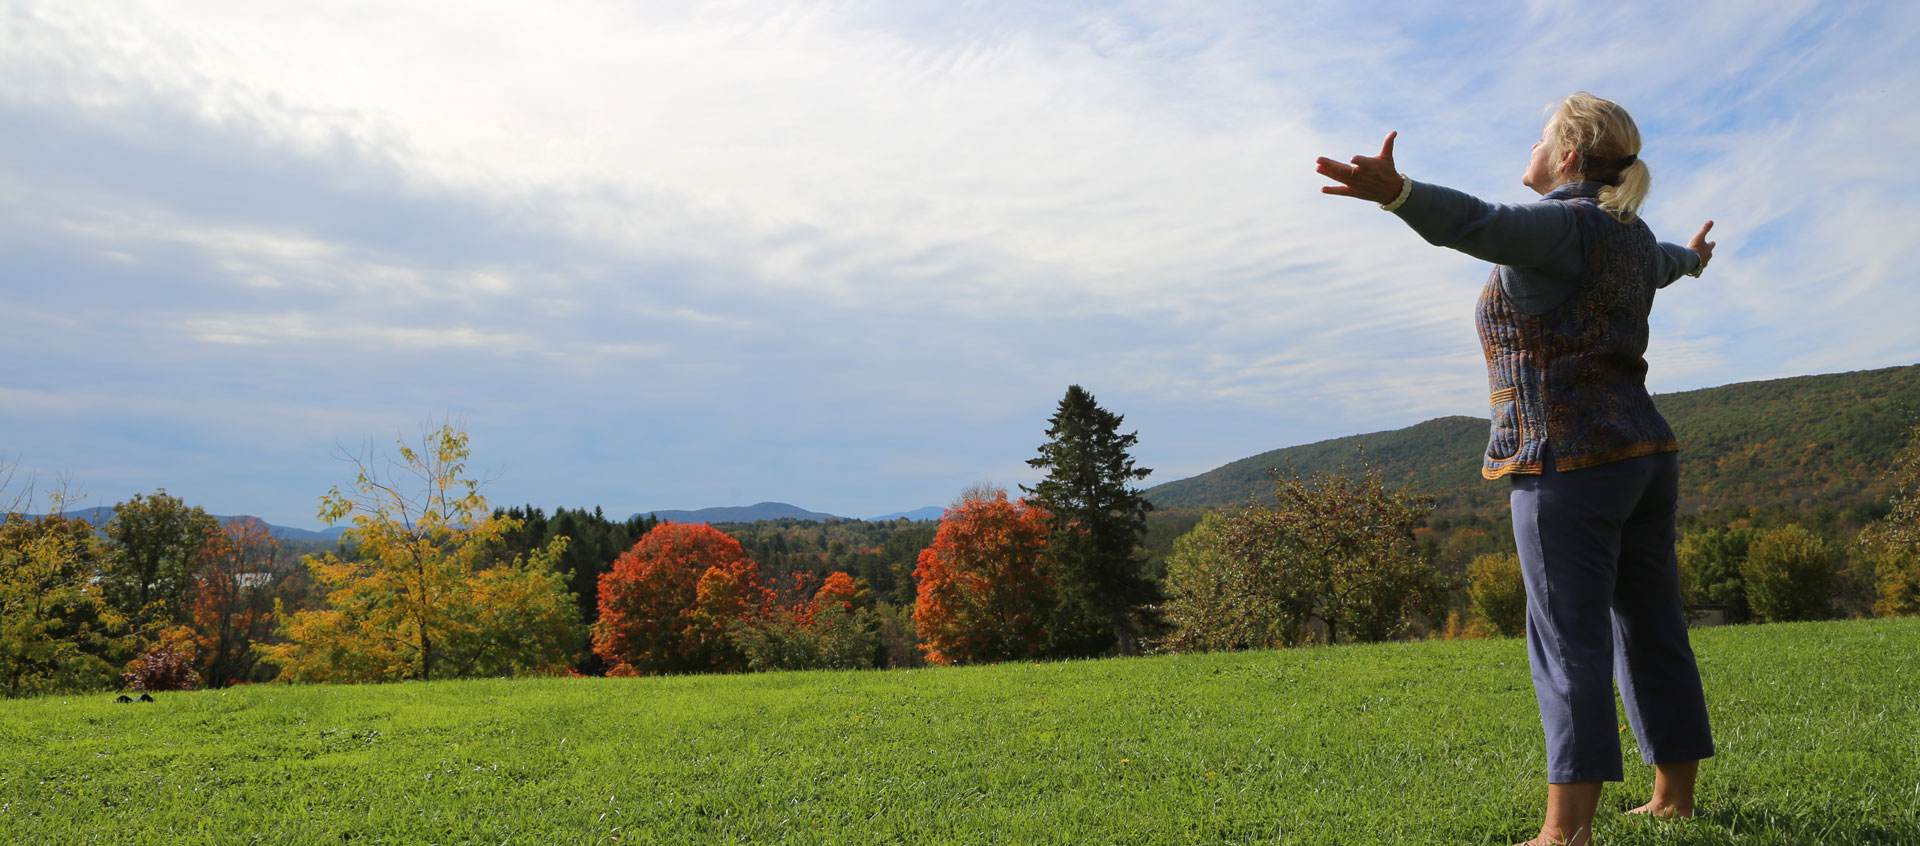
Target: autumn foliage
417,591
229,602
56,631
985,586
838,592
668,603
167,665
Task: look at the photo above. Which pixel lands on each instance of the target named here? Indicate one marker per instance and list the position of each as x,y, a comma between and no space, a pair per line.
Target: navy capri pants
1603,599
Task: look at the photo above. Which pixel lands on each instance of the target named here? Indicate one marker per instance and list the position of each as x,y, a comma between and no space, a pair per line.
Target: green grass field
1427,743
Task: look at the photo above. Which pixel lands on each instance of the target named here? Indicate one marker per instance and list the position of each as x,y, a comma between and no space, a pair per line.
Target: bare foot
1547,839
1663,810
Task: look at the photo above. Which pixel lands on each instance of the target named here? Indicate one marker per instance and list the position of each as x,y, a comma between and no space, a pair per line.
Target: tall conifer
1098,519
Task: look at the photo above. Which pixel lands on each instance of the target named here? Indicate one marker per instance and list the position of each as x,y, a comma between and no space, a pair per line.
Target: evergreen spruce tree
1098,519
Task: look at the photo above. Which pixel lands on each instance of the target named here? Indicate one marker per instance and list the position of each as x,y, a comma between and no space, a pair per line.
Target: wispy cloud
841,252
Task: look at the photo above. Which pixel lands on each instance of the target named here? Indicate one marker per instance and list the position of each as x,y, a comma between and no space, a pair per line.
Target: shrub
168,665
835,630
1788,575
899,642
1499,594
1710,569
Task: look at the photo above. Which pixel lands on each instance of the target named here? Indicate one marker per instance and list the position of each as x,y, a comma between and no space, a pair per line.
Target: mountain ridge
1802,442
98,516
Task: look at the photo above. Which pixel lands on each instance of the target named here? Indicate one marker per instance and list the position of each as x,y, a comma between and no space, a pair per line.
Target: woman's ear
1570,164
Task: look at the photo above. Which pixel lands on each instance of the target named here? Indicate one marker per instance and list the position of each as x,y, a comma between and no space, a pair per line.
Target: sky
849,255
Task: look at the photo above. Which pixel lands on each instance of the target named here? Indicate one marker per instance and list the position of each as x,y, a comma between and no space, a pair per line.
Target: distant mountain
742,514
99,515
1805,443
290,533
931,512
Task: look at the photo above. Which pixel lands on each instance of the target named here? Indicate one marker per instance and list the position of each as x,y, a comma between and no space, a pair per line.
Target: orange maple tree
985,582
838,591
668,602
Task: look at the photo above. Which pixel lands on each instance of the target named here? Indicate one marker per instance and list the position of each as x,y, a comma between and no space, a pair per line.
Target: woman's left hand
1368,178
1701,245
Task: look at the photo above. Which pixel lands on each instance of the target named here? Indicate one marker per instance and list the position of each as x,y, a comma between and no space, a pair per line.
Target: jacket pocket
1504,443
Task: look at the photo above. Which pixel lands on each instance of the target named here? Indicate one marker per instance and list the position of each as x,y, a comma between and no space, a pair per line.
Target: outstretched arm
1535,235
1367,178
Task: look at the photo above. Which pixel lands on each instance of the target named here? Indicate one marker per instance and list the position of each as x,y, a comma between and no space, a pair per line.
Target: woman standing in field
1592,466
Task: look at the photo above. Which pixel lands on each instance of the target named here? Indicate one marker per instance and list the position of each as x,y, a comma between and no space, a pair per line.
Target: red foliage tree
667,603
985,584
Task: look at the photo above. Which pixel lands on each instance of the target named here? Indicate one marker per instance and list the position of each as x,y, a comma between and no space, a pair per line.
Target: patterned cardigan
1575,375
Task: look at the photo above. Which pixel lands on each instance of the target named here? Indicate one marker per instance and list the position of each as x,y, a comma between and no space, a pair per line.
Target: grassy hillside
1419,743
1802,443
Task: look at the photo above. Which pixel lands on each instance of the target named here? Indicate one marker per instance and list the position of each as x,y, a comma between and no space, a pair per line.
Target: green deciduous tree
1344,551
154,546
421,594
1789,575
1332,560
1710,563
1214,601
1097,520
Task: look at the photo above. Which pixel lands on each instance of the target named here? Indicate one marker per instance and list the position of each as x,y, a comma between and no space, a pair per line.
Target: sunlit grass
1817,724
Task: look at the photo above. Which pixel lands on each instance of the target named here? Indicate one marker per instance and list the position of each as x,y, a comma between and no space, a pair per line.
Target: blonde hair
1605,136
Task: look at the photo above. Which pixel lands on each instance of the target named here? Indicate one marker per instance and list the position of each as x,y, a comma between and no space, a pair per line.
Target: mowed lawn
1425,743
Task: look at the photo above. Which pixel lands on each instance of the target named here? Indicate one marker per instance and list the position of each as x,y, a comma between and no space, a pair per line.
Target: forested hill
1802,443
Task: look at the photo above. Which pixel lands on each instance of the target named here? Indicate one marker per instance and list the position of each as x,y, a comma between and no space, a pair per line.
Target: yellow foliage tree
418,594
56,632
1893,543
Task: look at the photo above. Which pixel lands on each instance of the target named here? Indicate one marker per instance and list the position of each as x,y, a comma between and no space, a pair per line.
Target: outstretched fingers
1345,174
1367,177
1701,245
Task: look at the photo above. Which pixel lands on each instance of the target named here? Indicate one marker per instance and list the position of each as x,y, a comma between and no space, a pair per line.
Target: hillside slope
1805,442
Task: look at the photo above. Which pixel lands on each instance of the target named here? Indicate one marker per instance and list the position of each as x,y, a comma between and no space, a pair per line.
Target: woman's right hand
1701,245
1368,178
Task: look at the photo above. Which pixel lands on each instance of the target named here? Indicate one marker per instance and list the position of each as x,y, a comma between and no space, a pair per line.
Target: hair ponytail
1622,199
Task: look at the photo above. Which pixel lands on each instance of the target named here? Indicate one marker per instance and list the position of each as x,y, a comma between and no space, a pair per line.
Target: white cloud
823,221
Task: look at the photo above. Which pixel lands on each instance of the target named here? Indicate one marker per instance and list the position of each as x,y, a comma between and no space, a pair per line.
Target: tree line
430,583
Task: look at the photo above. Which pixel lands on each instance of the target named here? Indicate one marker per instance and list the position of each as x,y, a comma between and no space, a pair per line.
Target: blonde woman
1592,466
